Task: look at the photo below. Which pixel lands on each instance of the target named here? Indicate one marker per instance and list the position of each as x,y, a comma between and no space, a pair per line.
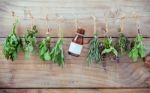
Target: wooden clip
31,16
122,24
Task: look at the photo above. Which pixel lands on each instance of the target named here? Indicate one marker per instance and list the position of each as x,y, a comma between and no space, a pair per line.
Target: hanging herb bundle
44,49
138,49
94,53
122,44
44,46
108,46
30,41
12,44
57,54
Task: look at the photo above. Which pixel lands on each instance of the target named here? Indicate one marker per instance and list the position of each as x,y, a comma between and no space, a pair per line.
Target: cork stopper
81,31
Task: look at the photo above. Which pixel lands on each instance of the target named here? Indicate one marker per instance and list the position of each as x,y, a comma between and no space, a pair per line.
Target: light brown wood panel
75,90
75,74
83,9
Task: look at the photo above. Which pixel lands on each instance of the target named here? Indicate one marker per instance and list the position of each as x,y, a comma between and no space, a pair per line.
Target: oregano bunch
30,41
137,48
108,47
12,44
57,54
44,49
94,53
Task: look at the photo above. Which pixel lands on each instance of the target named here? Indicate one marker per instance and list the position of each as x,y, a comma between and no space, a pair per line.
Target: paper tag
75,48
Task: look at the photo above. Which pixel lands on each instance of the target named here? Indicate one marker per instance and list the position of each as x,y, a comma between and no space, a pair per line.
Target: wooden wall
76,76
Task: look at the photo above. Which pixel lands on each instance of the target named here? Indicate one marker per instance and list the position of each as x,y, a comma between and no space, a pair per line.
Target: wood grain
75,91
83,9
75,74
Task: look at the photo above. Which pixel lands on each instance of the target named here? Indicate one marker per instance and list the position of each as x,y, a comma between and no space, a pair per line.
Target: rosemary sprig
44,49
94,53
57,54
138,49
12,44
30,41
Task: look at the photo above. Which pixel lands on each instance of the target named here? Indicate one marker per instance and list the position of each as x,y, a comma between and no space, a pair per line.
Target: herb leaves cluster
30,41
12,44
138,49
44,49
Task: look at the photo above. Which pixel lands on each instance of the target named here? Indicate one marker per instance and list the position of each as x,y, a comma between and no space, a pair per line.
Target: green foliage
138,50
12,44
122,44
44,49
94,53
108,47
30,41
56,54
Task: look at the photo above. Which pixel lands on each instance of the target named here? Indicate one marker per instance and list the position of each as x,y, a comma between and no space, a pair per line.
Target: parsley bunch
138,49
94,53
44,49
30,41
57,54
12,44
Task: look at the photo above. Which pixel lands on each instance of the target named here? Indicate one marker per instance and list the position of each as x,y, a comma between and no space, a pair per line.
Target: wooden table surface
36,76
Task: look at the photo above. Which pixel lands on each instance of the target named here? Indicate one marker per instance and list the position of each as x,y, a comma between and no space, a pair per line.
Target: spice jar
77,43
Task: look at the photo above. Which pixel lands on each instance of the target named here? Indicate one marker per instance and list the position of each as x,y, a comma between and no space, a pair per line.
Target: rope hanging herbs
13,43
44,46
94,53
57,54
30,40
122,44
138,49
108,43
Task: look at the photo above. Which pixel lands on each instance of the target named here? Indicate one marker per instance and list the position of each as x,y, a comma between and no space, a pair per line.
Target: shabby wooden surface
75,91
76,76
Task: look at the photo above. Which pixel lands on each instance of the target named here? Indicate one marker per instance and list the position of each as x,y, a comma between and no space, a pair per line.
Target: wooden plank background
76,76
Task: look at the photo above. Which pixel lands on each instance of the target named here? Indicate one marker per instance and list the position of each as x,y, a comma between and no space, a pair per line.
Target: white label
75,48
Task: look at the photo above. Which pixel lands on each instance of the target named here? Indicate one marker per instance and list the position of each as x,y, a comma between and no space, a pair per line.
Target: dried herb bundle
137,48
122,44
12,44
57,54
44,49
108,47
94,53
30,41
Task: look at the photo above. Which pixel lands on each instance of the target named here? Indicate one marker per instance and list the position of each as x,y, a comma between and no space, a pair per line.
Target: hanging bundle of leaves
122,44
44,49
12,44
94,53
30,41
137,48
109,48
57,53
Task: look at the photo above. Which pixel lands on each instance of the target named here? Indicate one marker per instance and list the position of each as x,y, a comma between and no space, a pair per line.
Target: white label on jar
75,48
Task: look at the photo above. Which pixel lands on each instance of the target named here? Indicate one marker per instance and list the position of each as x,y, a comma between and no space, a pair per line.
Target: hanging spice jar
77,42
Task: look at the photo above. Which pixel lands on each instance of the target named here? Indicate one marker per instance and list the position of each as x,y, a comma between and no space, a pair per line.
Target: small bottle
77,43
